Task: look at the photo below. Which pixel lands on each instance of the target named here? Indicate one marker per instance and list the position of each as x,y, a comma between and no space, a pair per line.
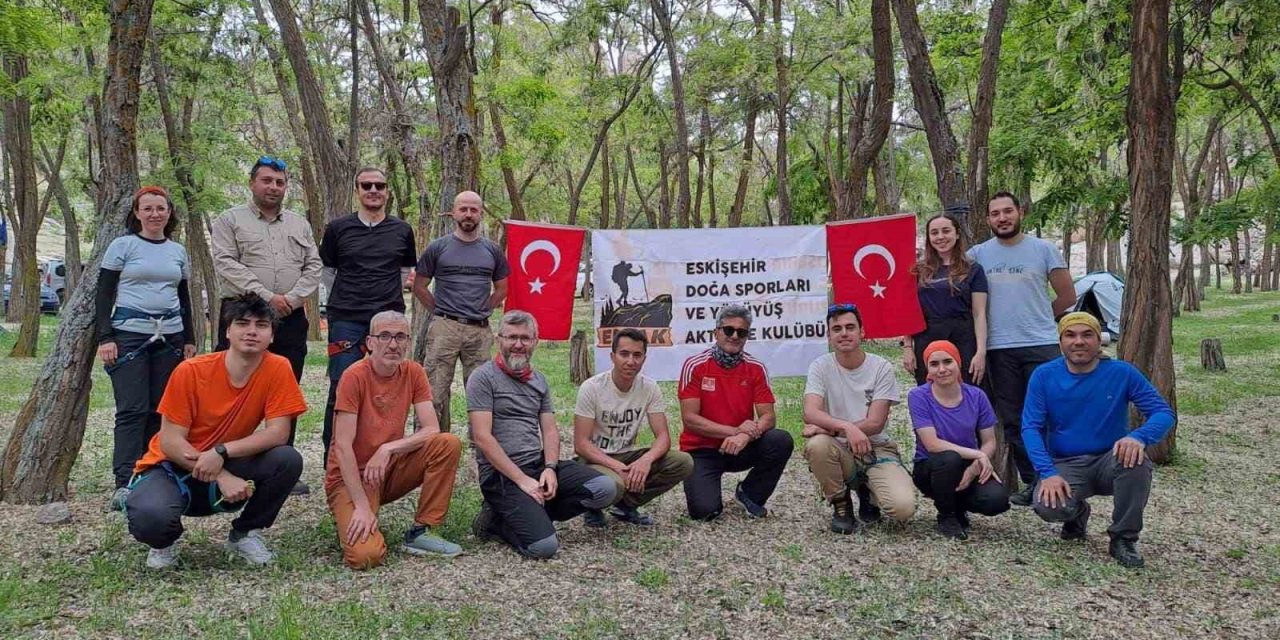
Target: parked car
49,302
54,276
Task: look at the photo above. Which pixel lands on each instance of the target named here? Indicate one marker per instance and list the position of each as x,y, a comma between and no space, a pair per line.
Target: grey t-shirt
149,277
464,273
1019,312
516,407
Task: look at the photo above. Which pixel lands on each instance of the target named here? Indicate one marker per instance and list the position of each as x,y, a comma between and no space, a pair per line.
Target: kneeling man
210,457
375,463
1075,424
611,407
513,428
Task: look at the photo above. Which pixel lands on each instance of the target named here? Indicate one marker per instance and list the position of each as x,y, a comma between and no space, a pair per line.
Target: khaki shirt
252,254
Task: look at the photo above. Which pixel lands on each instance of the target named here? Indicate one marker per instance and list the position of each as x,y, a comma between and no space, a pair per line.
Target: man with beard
727,408
513,428
471,280
262,248
1076,428
1021,331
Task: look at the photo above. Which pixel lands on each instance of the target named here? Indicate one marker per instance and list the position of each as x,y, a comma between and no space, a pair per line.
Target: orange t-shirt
200,397
381,406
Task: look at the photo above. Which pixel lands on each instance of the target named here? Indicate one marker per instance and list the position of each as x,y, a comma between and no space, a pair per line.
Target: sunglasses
730,332
373,186
846,307
274,163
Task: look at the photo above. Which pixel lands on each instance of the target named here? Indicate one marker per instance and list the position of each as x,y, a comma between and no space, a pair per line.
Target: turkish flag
544,271
871,263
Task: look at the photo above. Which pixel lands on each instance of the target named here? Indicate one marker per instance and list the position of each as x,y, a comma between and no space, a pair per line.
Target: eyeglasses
400,338
846,307
729,332
373,186
274,163
518,339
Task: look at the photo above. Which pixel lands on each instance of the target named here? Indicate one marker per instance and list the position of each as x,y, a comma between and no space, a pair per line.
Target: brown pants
834,465
447,342
432,468
666,472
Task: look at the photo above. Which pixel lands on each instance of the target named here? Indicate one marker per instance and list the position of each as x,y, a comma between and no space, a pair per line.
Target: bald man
470,273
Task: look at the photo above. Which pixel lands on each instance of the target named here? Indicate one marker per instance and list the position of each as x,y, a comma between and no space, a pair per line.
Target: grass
1212,548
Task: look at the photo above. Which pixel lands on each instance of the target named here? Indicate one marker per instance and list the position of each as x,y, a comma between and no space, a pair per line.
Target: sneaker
867,510
594,518
162,558
949,527
1077,528
753,510
427,542
252,548
483,527
300,489
964,522
1024,497
842,516
631,515
118,499
1126,553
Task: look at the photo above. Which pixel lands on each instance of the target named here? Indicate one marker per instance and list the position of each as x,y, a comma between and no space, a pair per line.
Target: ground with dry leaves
1212,544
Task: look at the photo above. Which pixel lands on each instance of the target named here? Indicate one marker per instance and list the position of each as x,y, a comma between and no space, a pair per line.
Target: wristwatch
221,449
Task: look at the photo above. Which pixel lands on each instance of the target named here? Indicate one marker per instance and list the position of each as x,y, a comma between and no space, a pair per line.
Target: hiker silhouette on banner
621,273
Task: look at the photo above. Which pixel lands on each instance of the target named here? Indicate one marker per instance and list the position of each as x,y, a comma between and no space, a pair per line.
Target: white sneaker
162,558
252,548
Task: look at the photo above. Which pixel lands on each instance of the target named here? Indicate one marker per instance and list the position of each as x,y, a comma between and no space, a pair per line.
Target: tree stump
580,360
1211,355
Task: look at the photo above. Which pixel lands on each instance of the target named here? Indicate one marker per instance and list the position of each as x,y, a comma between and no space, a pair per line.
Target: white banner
670,283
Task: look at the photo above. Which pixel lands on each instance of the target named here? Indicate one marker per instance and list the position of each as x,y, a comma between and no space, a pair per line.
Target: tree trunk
885,173
1211,355
1095,240
353,106
52,166
864,143
24,300
605,195
514,196
980,129
782,100
47,431
1068,230
445,39
664,186
662,13
1151,119
1235,263
704,132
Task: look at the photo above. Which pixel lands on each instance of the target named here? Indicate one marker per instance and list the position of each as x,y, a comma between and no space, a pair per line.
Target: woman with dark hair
144,325
953,297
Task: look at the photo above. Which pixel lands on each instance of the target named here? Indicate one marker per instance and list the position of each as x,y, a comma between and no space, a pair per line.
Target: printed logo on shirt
708,384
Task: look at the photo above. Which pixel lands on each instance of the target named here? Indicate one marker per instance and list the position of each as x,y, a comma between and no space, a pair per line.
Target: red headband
940,345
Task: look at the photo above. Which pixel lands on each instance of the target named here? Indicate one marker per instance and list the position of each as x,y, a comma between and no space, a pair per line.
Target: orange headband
940,345
152,190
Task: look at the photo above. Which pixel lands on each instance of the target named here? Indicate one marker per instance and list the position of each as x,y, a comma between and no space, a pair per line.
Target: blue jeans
354,334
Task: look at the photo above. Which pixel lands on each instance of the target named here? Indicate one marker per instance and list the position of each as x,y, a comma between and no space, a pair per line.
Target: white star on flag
877,290
536,285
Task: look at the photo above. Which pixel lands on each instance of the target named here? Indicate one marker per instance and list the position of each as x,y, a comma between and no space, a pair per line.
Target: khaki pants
432,468
834,466
447,342
666,472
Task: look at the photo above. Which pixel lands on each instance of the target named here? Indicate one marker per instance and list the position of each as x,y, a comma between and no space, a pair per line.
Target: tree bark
885,173
980,128
48,429
24,294
353,106
864,143
662,13
782,102
52,167
445,39
514,196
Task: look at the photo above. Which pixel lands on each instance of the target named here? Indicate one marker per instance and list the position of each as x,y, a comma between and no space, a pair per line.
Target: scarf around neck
522,376
724,358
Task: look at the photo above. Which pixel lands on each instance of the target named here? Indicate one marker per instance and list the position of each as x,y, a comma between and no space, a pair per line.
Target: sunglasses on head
846,307
730,332
373,186
274,163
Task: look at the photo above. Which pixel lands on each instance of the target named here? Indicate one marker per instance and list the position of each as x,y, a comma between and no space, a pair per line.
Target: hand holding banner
871,264
544,270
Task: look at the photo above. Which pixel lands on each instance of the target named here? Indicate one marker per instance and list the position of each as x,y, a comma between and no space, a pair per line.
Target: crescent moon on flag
551,248
871,249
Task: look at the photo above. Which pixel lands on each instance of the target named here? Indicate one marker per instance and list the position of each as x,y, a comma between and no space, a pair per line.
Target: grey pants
1102,475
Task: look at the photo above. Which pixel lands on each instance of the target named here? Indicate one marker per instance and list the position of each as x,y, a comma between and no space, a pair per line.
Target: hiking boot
1023,498
162,558
1126,553
594,518
300,489
1078,527
753,510
842,516
118,499
252,548
631,515
949,527
484,527
963,518
867,511
424,542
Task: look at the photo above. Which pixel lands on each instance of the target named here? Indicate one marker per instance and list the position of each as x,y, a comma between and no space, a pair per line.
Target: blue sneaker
753,510
594,518
428,543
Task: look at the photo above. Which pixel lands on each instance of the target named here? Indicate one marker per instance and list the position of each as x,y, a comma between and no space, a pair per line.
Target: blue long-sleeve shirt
1068,414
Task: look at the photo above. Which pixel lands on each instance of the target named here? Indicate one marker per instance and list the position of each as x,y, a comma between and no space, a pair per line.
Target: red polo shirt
728,396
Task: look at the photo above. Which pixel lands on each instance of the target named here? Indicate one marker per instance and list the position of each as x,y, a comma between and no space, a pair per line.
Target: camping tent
1102,294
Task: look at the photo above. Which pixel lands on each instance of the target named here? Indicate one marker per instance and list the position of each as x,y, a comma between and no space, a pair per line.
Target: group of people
188,442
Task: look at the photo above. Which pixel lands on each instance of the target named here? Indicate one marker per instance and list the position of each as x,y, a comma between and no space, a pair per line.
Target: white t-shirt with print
618,415
848,393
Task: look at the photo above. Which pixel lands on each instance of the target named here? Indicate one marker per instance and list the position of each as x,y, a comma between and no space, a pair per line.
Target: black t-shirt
939,300
368,261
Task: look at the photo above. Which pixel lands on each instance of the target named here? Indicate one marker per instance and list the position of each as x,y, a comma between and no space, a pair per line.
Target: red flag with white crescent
871,263
544,270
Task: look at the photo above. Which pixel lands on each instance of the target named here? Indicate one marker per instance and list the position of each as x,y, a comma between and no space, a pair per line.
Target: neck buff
522,376
724,358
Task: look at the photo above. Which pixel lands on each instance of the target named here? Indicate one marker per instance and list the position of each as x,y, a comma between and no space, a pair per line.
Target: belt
125,313
474,323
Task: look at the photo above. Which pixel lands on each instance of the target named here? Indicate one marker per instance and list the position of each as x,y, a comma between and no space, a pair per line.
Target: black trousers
526,525
937,477
958,330
763,459
1010,371
157,503
289,340
138,385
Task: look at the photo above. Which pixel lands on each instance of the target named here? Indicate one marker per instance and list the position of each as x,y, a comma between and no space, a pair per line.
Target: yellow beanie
1079,317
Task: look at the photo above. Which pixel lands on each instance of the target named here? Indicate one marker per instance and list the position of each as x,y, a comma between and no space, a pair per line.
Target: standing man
369,256
261,248
1076,427
622,275
1022,332
513,429
726,405
611,407
471,280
